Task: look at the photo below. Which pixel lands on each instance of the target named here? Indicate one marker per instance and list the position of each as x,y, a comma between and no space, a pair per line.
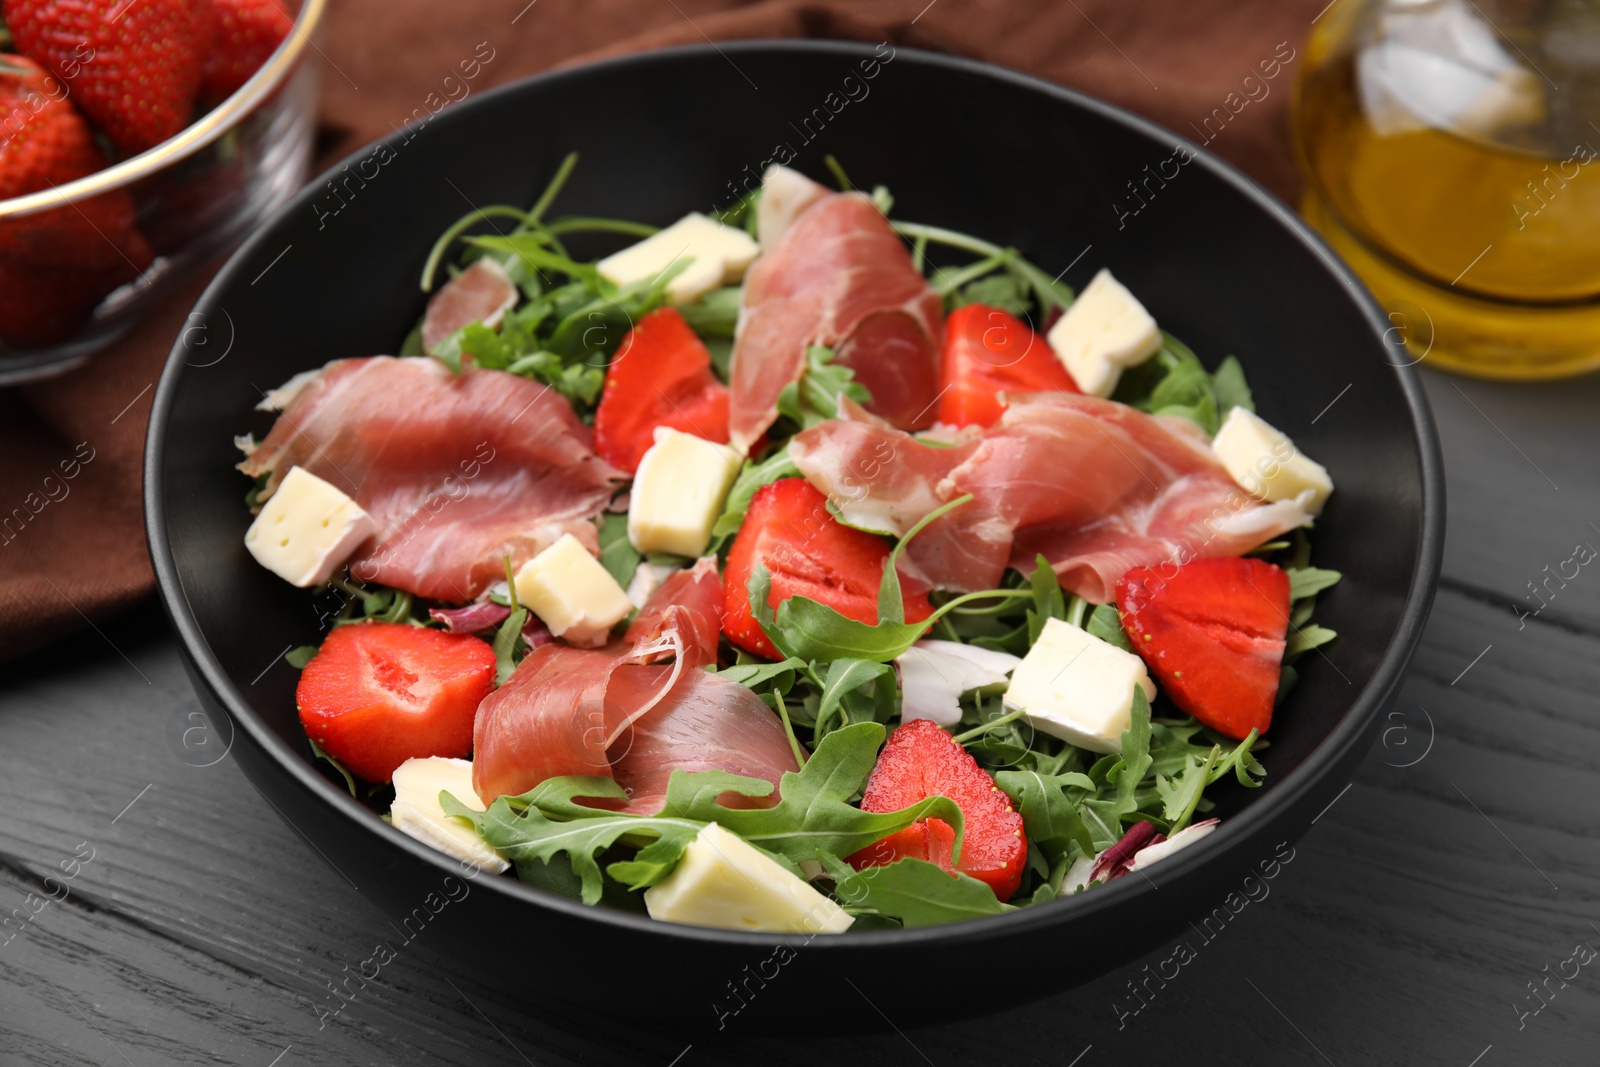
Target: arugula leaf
1048,600
252,499
1230,388
1186,390
520,829
810,630
742,213
1307,638
298,658
1048,292
1003,290
1105,622
322,754
1175,382
1123,774
1242,762
806,629
780,675
506,640
815,815
1287,677
715,314
1309,581
918,893
845,677
813,819
1053,822
412,345
1180,793
617,554
752,476
815,397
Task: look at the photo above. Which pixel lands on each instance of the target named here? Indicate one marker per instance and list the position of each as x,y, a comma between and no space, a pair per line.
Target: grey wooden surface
1458,871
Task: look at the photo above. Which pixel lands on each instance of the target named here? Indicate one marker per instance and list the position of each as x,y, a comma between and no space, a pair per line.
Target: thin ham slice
706,723
1096,486
621,713
457,470
688,605
482,293
833,272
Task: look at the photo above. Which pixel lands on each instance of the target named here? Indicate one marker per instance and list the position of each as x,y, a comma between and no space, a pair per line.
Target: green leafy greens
814,818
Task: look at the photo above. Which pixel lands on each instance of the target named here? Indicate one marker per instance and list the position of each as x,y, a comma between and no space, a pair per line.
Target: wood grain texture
1461,865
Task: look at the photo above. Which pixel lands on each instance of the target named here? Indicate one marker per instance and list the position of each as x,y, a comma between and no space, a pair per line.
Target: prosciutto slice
833,272
621,713
457,470
482,293
1096,486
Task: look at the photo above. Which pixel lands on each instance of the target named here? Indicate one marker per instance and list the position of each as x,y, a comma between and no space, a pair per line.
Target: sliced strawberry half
660,376
920,761
1213,635
379,693
987,352
789,530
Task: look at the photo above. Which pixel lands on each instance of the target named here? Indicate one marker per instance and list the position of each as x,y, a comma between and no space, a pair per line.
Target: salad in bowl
796,569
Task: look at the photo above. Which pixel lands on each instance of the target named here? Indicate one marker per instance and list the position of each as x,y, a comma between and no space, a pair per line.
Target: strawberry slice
661,376
379,693
789,529
919,761
986,352
1213,635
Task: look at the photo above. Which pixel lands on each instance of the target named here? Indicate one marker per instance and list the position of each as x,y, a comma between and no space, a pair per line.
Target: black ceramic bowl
1020,162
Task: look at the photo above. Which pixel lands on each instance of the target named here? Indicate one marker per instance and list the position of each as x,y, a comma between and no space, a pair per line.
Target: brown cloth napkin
81,554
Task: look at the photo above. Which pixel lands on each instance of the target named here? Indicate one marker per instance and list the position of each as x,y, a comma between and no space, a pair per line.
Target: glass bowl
192,196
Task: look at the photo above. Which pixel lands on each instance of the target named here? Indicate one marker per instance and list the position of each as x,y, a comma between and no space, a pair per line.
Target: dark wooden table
1428,918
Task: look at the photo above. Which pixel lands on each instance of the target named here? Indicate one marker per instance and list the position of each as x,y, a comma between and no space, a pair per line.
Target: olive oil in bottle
1451,159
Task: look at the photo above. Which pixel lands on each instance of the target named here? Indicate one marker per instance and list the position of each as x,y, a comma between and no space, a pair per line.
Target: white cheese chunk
1074,686
717,255
572,593
726,882
934,674
417,811
678,493
1104,332
1266,463
307,529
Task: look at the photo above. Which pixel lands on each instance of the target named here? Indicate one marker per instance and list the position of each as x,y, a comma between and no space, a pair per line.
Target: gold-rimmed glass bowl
192,197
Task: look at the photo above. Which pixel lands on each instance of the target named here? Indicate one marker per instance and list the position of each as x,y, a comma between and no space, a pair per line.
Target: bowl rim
1233,832
193,137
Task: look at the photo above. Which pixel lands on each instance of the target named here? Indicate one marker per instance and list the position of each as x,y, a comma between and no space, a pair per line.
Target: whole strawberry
43,141
55,265
132,66
247,32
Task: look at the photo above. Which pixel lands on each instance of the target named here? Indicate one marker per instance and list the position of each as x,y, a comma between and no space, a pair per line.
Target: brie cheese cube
1074,686
572,593
719,255
726,882
1266,463
307,529
1104,332
678,492
417,811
